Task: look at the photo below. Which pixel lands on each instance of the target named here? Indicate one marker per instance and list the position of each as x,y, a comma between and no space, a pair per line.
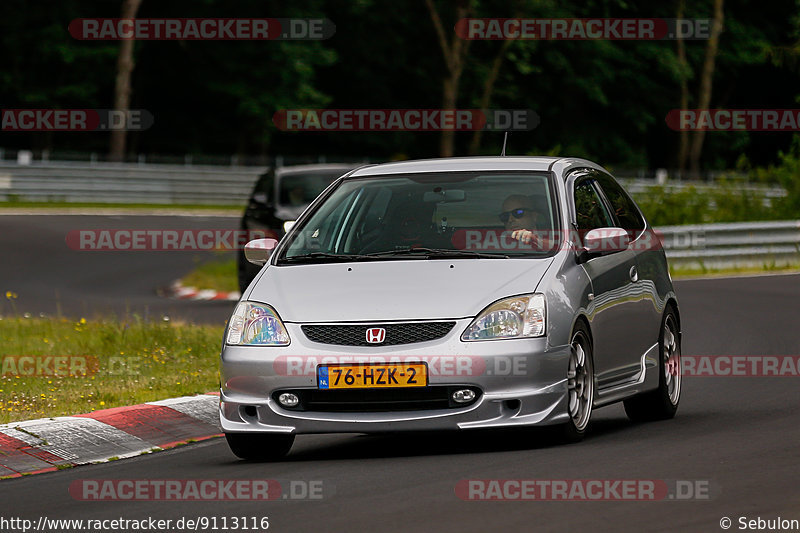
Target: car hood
394,290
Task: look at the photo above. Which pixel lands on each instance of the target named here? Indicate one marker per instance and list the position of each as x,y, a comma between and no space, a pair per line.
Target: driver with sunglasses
519,217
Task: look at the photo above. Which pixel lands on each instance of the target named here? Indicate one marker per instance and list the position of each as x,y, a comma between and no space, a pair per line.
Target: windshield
477,214
298,189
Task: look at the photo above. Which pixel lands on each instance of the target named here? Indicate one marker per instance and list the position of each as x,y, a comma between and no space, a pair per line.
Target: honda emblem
376,335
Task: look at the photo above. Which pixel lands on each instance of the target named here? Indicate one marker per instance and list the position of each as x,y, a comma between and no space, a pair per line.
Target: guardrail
127,183
734,245
62,181
642,186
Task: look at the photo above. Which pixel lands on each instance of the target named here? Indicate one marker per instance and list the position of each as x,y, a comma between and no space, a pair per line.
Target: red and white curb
180,292
48,444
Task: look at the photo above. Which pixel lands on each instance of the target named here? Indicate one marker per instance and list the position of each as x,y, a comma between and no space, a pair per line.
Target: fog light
251,411
463,396
287,399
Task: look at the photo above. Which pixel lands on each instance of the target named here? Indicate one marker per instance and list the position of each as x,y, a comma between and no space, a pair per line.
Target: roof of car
321,167
463,164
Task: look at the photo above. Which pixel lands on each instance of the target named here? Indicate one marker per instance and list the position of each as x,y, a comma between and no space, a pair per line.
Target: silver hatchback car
461,293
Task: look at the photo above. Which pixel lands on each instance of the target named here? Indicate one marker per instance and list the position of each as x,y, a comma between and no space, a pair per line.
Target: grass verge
219,275
56,367
698,272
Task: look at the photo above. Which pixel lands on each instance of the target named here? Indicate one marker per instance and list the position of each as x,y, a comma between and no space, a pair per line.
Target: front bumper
522,383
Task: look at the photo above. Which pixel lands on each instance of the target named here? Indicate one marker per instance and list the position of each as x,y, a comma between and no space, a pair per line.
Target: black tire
662,403
580,385
259,446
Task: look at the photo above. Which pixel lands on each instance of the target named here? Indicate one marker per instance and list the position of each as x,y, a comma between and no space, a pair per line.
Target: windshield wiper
320,257
439,253
421,253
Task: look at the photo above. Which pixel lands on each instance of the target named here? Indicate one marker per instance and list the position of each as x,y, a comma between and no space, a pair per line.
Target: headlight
255,324
511,318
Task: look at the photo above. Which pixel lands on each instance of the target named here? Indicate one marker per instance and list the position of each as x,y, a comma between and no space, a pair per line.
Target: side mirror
603,241
259,250
259,198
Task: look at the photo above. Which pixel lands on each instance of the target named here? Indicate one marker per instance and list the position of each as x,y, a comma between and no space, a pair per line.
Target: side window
590,213
624,208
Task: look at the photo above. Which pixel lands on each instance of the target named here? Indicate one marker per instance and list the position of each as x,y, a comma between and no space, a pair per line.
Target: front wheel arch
580,376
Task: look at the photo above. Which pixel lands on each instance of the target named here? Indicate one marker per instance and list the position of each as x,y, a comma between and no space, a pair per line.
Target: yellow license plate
372,376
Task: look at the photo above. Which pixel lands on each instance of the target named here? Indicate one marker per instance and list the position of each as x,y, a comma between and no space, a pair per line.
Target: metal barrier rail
181,184
734,245
127,183
642,186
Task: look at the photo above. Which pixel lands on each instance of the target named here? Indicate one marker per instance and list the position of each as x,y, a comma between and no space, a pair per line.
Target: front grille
376,400
356,335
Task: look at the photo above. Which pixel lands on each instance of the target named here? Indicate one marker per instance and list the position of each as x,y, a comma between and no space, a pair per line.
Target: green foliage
605,100
787,174
726,201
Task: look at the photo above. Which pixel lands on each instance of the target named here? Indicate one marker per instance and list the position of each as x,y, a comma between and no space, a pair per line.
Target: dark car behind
279,196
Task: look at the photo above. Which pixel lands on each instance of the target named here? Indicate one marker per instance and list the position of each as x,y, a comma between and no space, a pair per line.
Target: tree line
602,99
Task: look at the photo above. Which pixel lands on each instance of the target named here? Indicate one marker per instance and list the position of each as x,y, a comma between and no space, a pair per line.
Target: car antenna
505,140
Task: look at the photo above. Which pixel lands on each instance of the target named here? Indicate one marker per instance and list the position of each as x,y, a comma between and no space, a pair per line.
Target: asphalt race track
737,436
51,277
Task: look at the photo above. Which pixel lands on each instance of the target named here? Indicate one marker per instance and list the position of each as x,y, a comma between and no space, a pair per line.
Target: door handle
634,274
